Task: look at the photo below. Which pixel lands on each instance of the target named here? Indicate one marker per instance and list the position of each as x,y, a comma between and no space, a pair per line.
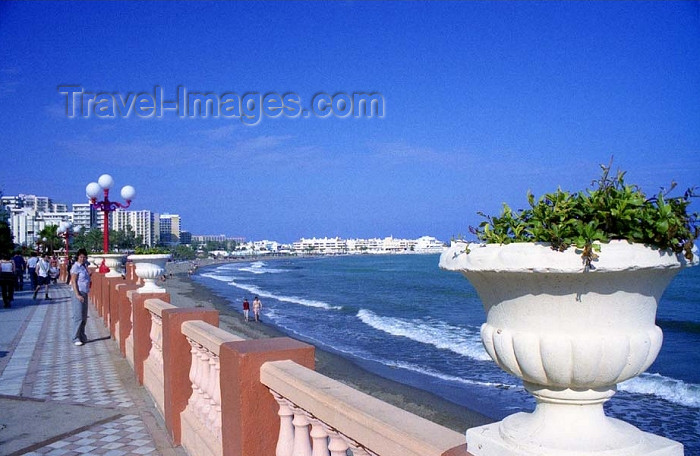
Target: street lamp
103,184
65,230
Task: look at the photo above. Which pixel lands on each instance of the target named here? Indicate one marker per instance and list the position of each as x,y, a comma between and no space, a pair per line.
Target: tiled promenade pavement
60,399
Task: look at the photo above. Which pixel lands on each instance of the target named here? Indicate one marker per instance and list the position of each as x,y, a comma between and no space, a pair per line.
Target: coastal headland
185,292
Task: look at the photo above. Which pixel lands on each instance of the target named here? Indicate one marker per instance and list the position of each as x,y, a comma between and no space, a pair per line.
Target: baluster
302,442
319,437
156,331
285,440
214,405
192,401
217,398
203,399
337,445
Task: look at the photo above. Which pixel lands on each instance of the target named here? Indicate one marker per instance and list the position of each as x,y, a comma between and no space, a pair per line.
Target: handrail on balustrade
378,426
157,306
211,337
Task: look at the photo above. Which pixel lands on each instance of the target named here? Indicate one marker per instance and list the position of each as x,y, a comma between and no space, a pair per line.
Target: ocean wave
256,267
670,389
219,277
443,336
450,378
291,299
260,267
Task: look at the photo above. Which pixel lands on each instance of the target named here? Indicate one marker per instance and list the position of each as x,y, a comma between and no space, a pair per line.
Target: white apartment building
429,244
322,246
388,245
267,246
26,223
86,217
204,238
144,223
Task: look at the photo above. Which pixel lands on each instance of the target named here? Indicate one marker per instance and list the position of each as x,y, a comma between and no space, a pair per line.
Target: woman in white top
42,275
7,279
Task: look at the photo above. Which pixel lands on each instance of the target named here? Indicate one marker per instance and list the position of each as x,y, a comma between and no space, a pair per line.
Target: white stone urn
114,261
150,267
571,335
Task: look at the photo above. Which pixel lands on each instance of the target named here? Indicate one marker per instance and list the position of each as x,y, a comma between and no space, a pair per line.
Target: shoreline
185,292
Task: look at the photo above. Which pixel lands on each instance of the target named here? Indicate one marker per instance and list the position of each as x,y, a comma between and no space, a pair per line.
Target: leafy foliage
182,252
612,209
90,240
53,241
6,242
151,250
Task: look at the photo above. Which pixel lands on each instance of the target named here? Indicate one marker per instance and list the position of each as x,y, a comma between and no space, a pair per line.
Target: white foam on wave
441,335
219,277
670,389
259,267
291,299
450,378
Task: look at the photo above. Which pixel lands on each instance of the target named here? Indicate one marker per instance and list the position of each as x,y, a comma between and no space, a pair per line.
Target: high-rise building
26,224
87,217
169,229
143,223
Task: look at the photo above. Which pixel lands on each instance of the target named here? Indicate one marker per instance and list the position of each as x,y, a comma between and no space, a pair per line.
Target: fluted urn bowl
571,334
149,267
114,262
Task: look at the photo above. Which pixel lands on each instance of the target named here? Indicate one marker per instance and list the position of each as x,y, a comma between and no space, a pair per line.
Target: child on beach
246,308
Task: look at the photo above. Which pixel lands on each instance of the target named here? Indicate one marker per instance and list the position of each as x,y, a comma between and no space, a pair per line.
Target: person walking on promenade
7,279
80,283
54,272
20,267
257,305
69,265
246,308
31,266
42,275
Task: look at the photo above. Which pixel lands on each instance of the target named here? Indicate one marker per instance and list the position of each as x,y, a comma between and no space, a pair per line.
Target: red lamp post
103,184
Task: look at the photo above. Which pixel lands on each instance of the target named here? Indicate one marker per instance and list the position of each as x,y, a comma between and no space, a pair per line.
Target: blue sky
483,101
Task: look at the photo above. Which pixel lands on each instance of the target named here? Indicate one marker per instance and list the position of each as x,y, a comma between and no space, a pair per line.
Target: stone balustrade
222,395
321,416
153,365
201,420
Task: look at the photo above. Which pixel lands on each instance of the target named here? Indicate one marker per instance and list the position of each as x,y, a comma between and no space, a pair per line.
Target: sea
401,317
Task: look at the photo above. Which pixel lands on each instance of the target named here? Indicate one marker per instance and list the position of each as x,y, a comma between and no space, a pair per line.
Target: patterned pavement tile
60,371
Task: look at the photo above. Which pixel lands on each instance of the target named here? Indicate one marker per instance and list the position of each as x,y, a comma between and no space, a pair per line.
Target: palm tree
50,233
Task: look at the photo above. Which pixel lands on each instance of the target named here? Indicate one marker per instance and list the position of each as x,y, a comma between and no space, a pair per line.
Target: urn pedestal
150,268
571,334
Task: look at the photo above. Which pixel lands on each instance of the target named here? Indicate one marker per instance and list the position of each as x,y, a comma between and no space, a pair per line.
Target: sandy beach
186,293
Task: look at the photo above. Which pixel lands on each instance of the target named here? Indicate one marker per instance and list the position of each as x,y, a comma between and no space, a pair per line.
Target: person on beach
246,308
7,279
257,305
80,283
42,276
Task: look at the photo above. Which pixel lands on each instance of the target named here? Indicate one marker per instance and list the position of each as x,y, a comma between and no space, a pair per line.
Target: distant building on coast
339,246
